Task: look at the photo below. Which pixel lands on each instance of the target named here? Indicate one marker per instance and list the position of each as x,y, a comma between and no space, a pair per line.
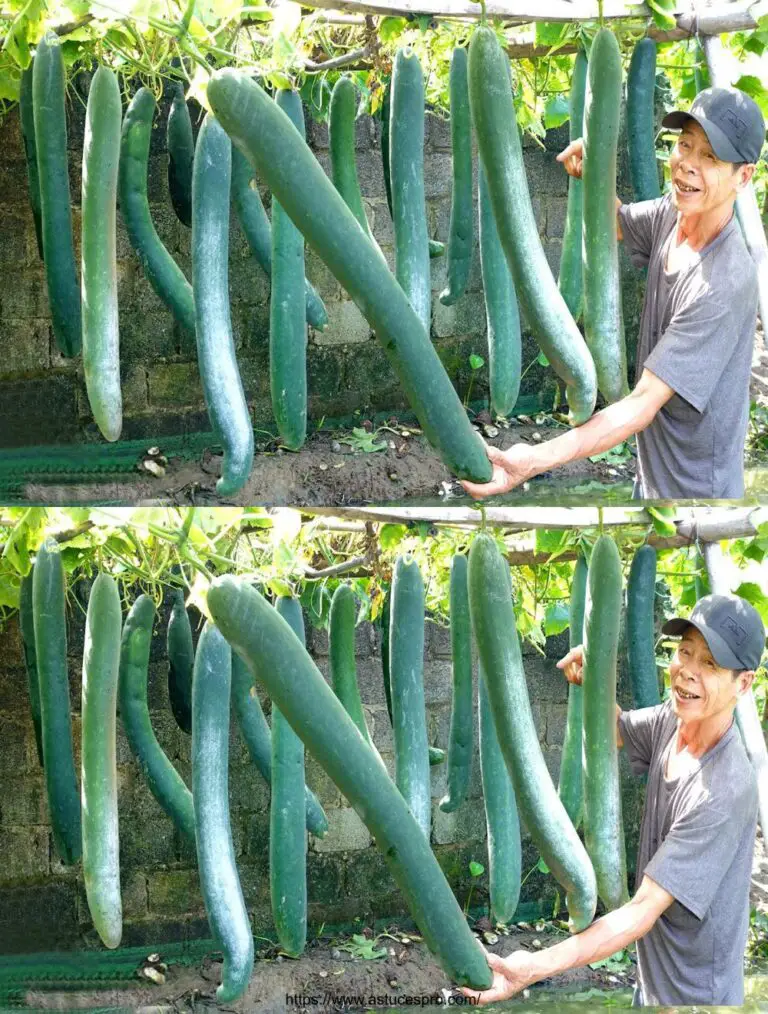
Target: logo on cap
729,624
738,125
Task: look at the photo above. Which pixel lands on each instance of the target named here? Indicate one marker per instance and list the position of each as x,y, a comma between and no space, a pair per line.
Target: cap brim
721,653
721,146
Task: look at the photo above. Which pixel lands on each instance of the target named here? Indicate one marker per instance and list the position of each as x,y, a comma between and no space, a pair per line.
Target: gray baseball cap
731,120
731,627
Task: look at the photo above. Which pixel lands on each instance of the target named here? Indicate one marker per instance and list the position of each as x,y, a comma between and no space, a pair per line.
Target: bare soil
324,979
330,471
327,978
326,471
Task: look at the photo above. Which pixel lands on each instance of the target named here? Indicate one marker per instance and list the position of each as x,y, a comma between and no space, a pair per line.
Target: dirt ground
332,469
328,978
326,471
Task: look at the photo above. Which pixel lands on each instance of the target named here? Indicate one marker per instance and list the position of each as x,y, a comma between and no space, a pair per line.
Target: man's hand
572,665
510,975
510,469
572,158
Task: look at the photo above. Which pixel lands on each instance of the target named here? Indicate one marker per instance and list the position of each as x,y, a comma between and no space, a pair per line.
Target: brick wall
42,395
42,903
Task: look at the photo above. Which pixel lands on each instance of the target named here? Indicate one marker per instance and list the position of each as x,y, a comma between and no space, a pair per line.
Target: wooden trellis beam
737,15
705,524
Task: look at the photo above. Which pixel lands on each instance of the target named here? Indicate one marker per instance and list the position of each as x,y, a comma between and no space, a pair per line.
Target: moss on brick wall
42,395
42,903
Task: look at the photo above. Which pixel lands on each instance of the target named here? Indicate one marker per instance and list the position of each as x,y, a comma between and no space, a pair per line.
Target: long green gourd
641,122
181,661
295,177
641,638
287,829
164,781
294,683
162,272
341,142
501,152
50,626
258,739
101,841
341,653
219,373
501,818
181,155
101,333
461,228
219,880
406,662
603,318
460,739
27,628
501,310
571,785
406,169
603,826
436,249
27,118
258,231
287,316
569,279
436,755
493,623
50,119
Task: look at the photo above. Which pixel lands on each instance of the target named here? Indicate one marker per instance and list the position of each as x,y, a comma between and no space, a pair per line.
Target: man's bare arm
612,933
606,429
609,934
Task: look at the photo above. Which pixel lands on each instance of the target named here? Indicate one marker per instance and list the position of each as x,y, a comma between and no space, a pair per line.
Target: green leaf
556,112
391,28
754,87
10,588
552,541
476,869
476,362
541,866
662,523
556,619
754,593
661,18
424,21
550,33
542,360
391,535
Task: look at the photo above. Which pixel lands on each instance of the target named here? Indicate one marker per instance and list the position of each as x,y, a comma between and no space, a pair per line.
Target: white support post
746,710
746,203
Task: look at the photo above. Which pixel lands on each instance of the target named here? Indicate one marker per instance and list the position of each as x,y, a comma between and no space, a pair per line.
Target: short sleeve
638,222
704,838
638,734
702,331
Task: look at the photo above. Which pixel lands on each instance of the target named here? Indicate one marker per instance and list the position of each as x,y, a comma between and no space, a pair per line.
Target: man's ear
745,175
745,680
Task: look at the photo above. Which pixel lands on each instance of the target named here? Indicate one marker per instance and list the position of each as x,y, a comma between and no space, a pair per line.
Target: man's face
700,181
700,687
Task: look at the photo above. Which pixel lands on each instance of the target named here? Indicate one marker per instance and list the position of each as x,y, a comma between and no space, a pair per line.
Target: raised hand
572,158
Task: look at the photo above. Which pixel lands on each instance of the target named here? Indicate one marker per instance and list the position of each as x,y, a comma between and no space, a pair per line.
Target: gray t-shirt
697,333
696,841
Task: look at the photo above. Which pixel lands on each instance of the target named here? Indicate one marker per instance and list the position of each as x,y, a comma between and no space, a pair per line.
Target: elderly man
690,911
690,404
